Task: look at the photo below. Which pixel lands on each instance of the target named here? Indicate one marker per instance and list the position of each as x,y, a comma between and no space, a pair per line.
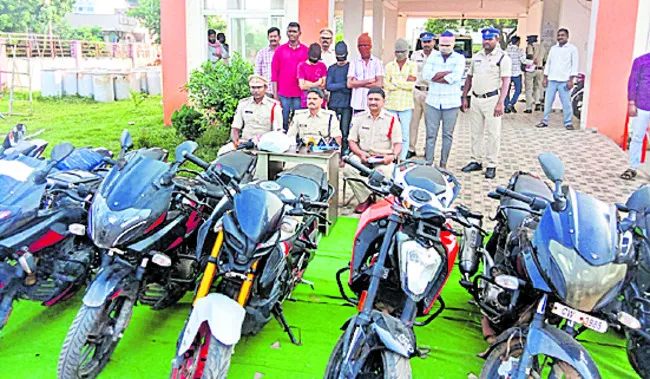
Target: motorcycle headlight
419,265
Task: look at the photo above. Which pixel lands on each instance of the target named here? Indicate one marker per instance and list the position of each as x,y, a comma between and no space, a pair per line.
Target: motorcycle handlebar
365,171
199,191
535,203
197,161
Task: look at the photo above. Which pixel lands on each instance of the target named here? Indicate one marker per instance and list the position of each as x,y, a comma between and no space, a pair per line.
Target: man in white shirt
327,52
559,74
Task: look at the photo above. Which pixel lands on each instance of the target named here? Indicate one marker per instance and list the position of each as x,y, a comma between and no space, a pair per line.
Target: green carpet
31,341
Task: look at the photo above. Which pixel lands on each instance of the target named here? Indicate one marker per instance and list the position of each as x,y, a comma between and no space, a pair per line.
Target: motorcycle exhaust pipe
469,254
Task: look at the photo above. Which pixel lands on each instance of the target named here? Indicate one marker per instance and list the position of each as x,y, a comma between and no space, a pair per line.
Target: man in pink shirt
366,72
312,73
284,72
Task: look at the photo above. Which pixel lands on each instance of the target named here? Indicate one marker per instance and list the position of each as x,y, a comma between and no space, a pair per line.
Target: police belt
422,88
486,95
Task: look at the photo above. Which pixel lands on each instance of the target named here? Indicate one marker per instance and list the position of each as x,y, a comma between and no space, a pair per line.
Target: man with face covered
365,72
315,122
284,72
340,94
421,88
488,79
376,141
311,73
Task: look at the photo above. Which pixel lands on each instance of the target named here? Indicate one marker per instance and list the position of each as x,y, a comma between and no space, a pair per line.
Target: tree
217,23
148,12
84,33
499,23
440,25
33,16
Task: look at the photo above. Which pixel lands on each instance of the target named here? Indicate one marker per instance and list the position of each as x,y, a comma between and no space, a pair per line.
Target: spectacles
400,51
326,38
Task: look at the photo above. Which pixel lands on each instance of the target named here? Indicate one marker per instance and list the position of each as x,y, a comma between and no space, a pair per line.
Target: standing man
215,50
284,72
265,56
518,60
533,74
445,69
326,38
559,74
340,94
221,37
366,72
401,75
638,96
315,122
421,89
488,78
376,141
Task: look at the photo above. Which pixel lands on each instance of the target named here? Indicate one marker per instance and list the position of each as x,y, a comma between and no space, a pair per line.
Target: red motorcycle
403,254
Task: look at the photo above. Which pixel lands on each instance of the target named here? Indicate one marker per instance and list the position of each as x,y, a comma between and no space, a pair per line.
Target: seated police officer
375,140
315,123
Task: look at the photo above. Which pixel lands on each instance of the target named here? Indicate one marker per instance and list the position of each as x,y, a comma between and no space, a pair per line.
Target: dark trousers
516,81
289,106
345,116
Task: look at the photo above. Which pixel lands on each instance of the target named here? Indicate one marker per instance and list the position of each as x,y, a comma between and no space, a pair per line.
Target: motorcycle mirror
622,208
61,151
187,147
552,166
125,140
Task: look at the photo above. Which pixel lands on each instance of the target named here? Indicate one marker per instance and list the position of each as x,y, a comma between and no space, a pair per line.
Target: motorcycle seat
306,179
426,178
527,185
154,153
236,164
75,176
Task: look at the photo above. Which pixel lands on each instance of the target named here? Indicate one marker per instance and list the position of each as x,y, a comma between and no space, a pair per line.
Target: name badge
248,112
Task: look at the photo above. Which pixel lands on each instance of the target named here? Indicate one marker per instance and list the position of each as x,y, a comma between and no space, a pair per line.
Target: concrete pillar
575,16
173,40
390,20
642,45
3,61
550,21
313,15
534,19
196,35
353,12
522,26
401,28
377,27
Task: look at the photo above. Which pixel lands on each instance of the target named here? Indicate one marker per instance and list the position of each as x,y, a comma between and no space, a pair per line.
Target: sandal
628,174
542,125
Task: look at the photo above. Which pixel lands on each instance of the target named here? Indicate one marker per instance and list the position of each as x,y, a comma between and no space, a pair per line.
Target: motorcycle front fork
526,359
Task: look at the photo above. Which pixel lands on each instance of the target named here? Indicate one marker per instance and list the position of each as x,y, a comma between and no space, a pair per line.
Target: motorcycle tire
5,311
504,351
87,323
393,366
638,353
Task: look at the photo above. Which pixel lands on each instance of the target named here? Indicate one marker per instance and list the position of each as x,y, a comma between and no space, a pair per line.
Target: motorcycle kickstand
279,315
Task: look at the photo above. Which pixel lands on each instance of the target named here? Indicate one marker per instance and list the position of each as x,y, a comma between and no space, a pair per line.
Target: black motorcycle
553,268
258,242
45,254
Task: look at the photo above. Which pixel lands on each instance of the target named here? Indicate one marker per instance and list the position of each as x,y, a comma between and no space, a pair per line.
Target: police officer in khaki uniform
315,122
257,114
534,74
421,89
488,79
375,140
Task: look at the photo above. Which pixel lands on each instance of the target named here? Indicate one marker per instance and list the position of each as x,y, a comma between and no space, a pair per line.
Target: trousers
639,131
533,88
486,131
419,98
361,192
448,119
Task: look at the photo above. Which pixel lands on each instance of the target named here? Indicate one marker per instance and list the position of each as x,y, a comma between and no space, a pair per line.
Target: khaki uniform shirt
488,69
256,118
538,52
420,59
376,136
323,124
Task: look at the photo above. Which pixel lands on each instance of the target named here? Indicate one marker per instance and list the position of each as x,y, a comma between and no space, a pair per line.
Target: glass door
248,34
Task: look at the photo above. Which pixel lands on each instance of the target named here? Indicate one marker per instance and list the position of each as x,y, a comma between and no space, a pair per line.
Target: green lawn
31,341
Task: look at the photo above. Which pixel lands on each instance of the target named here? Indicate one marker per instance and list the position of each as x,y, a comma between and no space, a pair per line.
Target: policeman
534,74
375,140
315,122
256,115
488,79
420,91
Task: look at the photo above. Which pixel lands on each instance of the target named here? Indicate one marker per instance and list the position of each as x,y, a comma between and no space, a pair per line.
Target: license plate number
588,321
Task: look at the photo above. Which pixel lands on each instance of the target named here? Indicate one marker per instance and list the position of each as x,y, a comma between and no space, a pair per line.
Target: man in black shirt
337,78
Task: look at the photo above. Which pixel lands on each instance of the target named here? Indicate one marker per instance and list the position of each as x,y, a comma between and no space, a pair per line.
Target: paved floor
593,161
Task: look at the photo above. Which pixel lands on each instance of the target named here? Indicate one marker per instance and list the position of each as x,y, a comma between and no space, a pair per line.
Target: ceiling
451,8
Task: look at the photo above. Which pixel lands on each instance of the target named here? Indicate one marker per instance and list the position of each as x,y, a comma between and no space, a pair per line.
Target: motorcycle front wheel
207,358
91,339
379,364
638,353
503,360
6,306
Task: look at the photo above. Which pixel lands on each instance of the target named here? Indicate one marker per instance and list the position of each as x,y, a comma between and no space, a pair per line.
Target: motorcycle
258,240
577,94
555,264
403,254
17,142
45,254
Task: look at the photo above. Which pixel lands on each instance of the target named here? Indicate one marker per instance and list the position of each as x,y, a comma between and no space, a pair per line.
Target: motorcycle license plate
588,321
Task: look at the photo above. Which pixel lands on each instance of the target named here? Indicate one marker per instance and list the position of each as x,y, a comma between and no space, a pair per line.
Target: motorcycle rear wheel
88,346
207,358
380,364
507,350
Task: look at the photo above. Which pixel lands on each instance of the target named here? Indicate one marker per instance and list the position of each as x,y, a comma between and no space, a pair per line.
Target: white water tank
103,90
154,81
51,82
122,86
70,82
85,83
139,80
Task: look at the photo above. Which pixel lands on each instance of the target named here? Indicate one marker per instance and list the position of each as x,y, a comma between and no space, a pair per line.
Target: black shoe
538,107
473,166
529,111
507,110
568,127
513,109
490,173
410,154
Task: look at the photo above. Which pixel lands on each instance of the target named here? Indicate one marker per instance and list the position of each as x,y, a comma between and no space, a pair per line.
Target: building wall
575,15
642,43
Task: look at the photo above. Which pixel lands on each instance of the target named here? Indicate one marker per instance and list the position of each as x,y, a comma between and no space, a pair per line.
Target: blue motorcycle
554,267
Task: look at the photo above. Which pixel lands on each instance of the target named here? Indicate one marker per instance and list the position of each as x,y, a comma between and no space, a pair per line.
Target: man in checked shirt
518,59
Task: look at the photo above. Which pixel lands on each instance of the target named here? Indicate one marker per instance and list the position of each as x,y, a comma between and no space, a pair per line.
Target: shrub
164,138
216,88
212,139
188,122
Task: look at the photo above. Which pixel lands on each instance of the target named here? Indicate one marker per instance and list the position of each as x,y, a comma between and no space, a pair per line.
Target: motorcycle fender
393,334
106,284
554,342
224,316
